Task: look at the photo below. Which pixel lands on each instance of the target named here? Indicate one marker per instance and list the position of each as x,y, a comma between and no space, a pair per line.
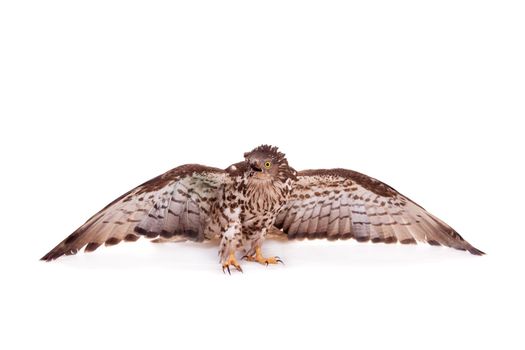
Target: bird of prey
260,196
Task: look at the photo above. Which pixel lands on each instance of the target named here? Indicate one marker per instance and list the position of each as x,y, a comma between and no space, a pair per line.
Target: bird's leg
258,257
231,241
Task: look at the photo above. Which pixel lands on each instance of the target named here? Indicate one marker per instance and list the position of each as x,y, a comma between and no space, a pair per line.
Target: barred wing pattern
343,204
176,203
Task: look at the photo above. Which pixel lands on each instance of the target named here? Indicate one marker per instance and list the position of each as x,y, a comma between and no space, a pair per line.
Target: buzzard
260,196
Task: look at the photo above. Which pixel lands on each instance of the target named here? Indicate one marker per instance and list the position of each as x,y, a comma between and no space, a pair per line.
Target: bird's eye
267,165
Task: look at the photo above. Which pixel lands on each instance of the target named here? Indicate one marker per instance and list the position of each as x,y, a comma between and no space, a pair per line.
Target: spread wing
343,204
176,203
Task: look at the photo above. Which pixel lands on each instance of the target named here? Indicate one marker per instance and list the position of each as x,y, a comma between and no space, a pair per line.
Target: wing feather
313,221
305,219
339,203
363,225
345,224
333,219
177,202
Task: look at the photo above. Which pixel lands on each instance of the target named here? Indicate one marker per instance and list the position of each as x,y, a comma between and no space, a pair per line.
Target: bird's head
266,163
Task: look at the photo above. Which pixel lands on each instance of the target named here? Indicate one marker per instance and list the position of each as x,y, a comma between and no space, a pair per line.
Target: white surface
101,96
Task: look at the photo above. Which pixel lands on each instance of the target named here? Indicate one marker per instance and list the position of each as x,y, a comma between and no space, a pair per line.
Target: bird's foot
258,257
231,261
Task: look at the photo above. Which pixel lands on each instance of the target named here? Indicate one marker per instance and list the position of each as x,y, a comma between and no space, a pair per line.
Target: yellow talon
258,257
233,262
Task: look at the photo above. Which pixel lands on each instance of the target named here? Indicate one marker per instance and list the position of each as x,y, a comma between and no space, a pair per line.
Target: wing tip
46,258
475,251
52,255
469,248
57,252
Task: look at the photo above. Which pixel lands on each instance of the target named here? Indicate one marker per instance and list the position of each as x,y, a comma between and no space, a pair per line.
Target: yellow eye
267,165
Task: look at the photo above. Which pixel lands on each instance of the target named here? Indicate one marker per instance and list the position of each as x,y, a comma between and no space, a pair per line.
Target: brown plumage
343,204
260,195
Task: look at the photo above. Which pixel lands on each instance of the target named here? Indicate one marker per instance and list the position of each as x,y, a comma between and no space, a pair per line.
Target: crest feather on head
269,151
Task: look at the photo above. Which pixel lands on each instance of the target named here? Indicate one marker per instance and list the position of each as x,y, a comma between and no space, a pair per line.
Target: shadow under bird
259,197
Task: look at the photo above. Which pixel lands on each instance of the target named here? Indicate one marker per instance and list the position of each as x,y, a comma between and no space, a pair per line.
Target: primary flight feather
262,194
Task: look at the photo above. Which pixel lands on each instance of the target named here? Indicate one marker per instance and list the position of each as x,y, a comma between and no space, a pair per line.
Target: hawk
260,196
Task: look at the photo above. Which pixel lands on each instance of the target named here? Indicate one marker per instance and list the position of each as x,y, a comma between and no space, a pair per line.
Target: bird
259,197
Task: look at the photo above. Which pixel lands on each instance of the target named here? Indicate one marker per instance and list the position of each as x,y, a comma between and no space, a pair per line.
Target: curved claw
227,267
278,259
233,262
273,260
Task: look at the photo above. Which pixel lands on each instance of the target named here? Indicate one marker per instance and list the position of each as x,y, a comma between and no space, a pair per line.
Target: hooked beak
257,171
255,167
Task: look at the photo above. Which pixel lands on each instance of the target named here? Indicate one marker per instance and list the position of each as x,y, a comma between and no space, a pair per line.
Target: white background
99,96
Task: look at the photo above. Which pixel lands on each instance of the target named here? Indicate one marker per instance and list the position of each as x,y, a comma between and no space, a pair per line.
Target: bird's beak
256,167
257,170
